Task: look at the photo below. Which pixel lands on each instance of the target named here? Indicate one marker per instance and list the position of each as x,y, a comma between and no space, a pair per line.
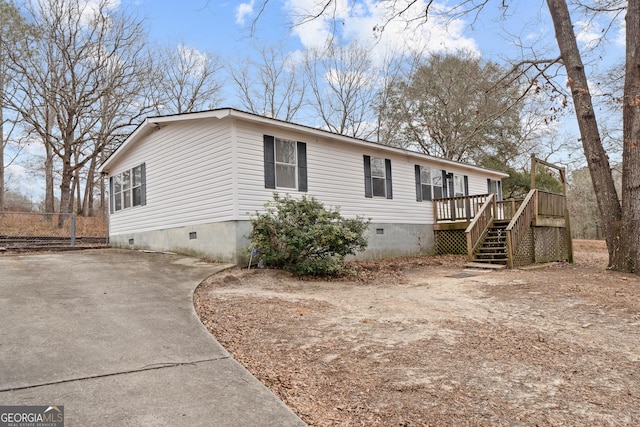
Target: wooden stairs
492,252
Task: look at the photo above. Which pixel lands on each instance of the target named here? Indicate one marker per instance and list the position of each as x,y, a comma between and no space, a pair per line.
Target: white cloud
193,62
357,22
243,10
588,34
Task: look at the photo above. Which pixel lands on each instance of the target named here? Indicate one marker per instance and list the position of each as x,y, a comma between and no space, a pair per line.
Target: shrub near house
305,238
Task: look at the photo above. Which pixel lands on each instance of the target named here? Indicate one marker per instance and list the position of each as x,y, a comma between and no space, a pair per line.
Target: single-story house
189,183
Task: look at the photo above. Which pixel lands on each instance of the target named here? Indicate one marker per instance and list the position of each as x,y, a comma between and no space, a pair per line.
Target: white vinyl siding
189,175
335,177
212,170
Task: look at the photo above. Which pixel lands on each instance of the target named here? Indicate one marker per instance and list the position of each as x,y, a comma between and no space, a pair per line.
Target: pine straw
556,346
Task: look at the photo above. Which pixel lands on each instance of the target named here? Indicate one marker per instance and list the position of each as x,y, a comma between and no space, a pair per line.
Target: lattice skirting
540,244
551,244
524,253
450,242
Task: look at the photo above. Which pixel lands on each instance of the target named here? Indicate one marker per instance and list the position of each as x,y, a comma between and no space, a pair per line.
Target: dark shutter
467,202
418,184
445,189
368,190
489,186
499,188
302,166
111,196
269,162
387,173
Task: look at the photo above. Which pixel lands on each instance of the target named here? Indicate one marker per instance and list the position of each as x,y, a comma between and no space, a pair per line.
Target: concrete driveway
112,335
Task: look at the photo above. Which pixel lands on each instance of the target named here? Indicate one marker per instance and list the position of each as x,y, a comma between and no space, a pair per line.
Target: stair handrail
520,224
480,224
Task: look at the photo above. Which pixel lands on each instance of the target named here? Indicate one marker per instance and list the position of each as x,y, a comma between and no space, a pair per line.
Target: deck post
509,250
568,237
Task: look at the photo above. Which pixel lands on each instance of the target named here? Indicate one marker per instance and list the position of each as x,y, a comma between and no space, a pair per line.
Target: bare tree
187,80
84,54
12,31
272,86
620,220
344,84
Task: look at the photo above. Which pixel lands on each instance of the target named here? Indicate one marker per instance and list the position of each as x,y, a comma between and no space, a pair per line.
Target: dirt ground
424,341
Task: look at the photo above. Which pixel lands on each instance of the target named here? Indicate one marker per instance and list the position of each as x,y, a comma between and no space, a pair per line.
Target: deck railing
551,204
507,208
480,223
520,224
462,208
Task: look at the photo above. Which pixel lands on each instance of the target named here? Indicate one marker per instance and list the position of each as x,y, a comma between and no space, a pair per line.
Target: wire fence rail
38,231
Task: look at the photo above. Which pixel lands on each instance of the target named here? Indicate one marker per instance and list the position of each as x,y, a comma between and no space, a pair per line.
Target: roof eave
150,124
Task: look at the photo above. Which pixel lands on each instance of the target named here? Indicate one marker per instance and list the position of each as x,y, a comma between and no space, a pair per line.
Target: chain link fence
24,231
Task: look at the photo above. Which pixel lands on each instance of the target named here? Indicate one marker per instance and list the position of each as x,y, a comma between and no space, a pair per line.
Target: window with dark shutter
425,183
285,163
377,177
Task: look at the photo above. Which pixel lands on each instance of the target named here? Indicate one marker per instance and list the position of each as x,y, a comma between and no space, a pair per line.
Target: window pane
379,187
285,176
285,151
137,176
437,192
137,193
377,167
118,200
425,175
436,178
458,185
426,191
127,198
117,183
126,180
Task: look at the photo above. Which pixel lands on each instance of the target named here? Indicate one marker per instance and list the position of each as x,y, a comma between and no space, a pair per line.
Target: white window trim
295,164
383,177
120,195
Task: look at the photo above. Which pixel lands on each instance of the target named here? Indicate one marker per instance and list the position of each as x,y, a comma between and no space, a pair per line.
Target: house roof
152,123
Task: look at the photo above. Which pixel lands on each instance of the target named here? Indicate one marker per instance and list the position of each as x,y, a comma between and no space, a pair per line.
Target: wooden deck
538,225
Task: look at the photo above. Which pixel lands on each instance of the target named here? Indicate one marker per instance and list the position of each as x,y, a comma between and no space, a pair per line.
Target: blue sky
223,27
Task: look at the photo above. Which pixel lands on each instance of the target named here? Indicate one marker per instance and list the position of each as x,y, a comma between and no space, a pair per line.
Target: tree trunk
65,188
48,179
1,150
597,159
87,202
629,256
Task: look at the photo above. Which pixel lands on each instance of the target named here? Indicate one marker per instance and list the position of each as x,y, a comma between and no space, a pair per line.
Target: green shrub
301,236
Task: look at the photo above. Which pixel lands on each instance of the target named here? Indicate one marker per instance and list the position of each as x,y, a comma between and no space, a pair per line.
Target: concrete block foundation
228,241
